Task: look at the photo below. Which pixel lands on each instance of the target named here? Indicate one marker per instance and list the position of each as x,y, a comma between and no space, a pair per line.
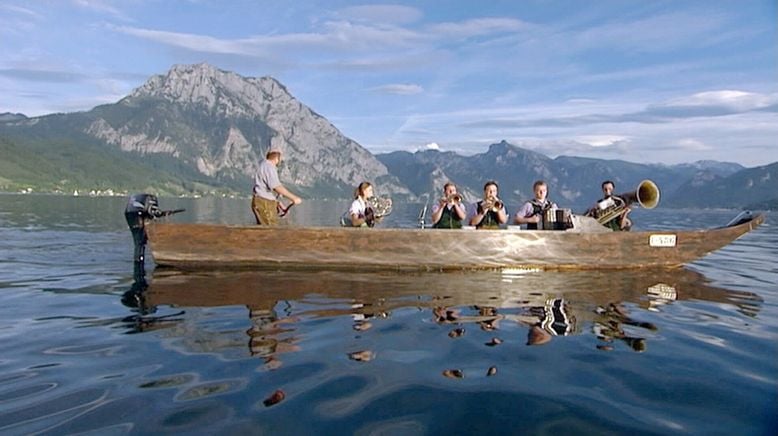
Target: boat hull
190,246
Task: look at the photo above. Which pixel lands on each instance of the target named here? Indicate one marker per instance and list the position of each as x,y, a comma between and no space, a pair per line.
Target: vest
537,209
448,220
490,220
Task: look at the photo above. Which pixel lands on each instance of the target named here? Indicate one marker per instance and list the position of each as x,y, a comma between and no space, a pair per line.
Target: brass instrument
452,199
381,206
492,204
646,195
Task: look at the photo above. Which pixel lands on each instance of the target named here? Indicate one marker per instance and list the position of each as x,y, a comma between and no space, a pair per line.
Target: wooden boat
585,246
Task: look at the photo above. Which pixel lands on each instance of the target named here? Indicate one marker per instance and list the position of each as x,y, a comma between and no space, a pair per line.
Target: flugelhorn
646,195
492,204
454,198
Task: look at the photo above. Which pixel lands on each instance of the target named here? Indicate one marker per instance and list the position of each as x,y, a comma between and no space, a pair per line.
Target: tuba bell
646,195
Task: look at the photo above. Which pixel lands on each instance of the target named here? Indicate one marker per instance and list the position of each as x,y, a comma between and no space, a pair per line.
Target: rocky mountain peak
220,91
222,124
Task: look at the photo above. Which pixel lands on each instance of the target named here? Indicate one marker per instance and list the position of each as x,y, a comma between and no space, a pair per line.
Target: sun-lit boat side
226,246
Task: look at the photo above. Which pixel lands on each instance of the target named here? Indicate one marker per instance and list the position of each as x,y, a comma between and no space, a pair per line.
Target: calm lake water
85,348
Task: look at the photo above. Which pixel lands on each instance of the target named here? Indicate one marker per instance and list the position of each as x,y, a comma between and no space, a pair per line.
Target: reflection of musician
620,222
531,212
555,319
489,212
449,212
268,337
610,326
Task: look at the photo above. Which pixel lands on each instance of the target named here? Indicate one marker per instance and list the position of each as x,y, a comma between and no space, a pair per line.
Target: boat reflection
547,305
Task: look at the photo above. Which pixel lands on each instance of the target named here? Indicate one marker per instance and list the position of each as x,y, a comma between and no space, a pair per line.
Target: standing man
268,189
531,212
449,212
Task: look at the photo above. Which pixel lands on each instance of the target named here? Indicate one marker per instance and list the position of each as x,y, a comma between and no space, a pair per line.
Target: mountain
744,189
573,181
8,116
200,129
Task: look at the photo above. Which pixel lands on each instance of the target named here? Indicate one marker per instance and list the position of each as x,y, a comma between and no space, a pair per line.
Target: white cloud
101,6
739,101
432,146
476,27
601,140
400,89
20,10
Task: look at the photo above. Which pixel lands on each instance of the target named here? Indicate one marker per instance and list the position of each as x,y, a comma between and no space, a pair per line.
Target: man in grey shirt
268,189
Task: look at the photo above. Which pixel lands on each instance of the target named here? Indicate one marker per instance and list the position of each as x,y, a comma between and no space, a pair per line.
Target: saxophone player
531,212
489,213
449,211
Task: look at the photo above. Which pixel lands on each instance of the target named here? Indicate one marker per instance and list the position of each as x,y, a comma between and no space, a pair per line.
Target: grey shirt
265,180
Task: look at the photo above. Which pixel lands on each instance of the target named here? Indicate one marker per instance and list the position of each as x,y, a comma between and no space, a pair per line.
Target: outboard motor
141,208
741,218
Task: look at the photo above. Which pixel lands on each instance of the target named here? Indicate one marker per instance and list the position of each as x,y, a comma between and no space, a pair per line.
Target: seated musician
360,214
449,212
489,213
531,212
620,222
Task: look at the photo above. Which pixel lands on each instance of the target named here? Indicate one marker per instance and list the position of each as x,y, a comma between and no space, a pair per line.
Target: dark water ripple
82,349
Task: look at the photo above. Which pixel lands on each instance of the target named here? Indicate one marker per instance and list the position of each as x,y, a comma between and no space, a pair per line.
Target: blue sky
643,81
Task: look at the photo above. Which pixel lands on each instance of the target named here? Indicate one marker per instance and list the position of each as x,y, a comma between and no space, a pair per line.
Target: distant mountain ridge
201,130
573,181
8,116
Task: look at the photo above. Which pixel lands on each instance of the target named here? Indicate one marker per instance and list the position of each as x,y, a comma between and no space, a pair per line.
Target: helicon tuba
646,195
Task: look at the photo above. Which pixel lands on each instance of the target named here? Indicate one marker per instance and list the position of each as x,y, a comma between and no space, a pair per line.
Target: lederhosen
448,220
489,221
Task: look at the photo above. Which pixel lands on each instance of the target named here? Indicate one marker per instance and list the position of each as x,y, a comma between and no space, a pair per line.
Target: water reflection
135,299
549,306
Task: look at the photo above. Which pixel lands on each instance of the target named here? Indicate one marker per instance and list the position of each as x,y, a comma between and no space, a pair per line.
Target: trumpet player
449,211
531,212
490,211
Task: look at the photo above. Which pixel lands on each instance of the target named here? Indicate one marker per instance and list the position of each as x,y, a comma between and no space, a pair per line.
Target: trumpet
492,204
453,198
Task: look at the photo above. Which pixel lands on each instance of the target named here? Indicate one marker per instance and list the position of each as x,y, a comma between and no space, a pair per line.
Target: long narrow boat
585,246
